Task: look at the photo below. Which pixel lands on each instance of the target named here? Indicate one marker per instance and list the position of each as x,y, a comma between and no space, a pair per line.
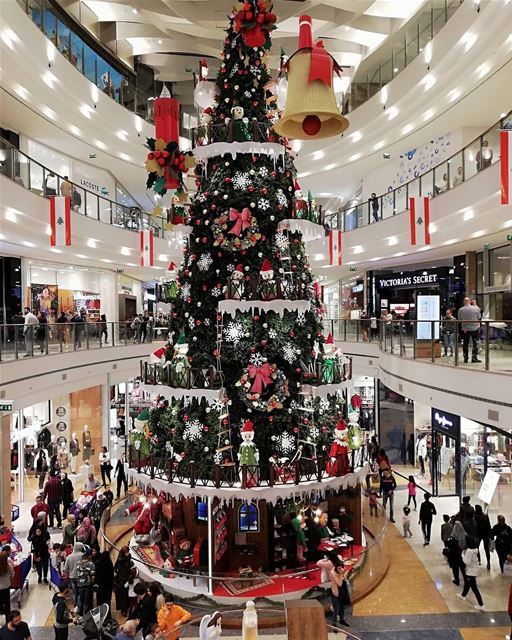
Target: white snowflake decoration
234,332
286,442
324,404
294,405
301,318
193,430
241,180
204,262
206,322
217,457
282,241
186,402
200,197
282,199
217,405
272,334
216,292
168,446
191,322
290,352
263,171
230,268
185,290
263,204
314,432
234,70
256,359
247,94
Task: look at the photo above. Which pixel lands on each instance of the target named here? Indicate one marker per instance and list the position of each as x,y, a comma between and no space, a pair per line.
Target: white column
21,460
210,545
105,413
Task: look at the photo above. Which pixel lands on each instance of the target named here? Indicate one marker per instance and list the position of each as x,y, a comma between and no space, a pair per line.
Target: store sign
488,487
446,423
92,186
410,279
61,426
60,411
6,406
357,288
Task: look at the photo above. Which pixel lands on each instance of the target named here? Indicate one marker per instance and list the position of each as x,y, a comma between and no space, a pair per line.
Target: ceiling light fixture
407,129
318,155
454,94
384,96
329,167
75,130
357,249
356,136
91,242
428,81
28,244
427,54
355,157
125,251
86,110
392,113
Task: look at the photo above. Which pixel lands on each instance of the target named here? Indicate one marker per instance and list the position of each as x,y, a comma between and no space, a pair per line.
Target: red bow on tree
242,220
262,376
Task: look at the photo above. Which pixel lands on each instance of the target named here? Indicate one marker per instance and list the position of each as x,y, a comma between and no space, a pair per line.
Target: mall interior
256,319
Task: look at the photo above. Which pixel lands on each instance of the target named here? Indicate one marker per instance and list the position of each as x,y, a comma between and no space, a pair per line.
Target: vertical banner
146,248
60,221
419,220
506,166
335,250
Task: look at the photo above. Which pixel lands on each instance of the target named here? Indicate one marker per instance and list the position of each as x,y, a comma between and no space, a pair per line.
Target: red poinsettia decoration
254,21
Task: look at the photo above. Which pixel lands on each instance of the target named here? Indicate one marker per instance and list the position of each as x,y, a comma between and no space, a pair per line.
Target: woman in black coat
67,494
121,476
105,573
484,533
40,541
122,570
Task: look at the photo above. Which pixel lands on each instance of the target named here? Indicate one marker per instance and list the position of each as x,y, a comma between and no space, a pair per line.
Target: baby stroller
98,625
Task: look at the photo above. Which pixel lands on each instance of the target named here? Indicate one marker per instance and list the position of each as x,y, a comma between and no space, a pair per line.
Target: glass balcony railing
420,29
33,341
475,157
489,347
35,177
112,82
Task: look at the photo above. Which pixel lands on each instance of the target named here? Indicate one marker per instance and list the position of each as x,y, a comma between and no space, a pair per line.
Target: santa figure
184,556
248,454
234,290
330,369
268,287
144,522
301,206
338,453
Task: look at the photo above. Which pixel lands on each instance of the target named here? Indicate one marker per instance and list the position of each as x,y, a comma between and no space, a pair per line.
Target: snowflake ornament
185,291
282,241
191,322
217,457
314,432
290,352
205,262
230,268
234,332
263,171
234,70
217,405
324,404
286,442
263,204
168,446
216,292
256,359
301,318
193,430
282,199
294,405
206,322
272,334
241,180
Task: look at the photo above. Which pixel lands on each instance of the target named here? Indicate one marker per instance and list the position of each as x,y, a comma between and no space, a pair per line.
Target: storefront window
90,63
63,35
500,267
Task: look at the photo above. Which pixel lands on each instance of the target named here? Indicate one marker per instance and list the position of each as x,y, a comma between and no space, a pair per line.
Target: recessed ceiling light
134,11
356,156
399,254
21,91
49,113
81,255
328,167
91,242
392,113
483,69
392,240
122,135
125,251
478,234
160,42
125,156
106,260
100,144
407,129
28,244
395,69
469,214
54,250
432,227
75,130
10,215
357,249
451,241
356,136
318,155
86,110
49,79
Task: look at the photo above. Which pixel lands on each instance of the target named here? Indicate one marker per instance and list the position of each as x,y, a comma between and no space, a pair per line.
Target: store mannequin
52,448
43,440
63,457
86,444
74,450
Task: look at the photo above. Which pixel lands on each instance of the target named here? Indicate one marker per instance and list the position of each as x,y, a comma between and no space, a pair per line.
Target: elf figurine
248,454
234,290
268,287
239,126
301,206
180,364
354,431
338,453
299,525
204,124
330,369
184,557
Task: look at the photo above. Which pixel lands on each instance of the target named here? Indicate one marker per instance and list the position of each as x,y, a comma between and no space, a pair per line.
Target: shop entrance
448,476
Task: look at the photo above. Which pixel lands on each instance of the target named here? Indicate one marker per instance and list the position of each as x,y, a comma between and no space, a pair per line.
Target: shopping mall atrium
256,319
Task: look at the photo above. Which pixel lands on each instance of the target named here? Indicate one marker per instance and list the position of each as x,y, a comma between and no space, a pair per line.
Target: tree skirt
237,587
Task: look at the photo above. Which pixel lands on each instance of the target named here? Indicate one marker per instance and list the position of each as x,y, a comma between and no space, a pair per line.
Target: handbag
446,552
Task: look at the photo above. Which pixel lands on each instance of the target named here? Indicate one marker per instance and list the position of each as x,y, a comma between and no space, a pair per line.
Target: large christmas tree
247,316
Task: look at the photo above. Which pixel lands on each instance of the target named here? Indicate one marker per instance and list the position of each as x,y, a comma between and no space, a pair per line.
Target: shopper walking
41,331
103,329
387,489
62,617
448,327
470,559
53,493
469,317
66,188
374,203
69,531
501,533
422,450
39,507
6,575
61,327
41,553
85,574
31,323
121,476
427,513
446,529
67,493
105,466
41,467
484,534
105,571
15,628
339,593
122,571
411,490
69,570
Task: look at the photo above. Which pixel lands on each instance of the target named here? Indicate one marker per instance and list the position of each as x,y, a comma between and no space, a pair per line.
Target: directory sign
427,308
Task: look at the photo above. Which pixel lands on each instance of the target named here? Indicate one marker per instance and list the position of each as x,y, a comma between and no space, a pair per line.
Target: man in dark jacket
145,609
62,617
427,512
53,493
387,490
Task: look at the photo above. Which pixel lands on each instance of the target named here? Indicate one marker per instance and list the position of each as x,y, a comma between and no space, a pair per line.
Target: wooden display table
305,620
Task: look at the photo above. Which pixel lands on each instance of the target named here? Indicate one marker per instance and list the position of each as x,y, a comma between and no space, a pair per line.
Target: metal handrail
83,201
389,200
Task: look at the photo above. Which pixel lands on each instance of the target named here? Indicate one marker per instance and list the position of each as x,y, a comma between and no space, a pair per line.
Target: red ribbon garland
243,220
320,67
262,376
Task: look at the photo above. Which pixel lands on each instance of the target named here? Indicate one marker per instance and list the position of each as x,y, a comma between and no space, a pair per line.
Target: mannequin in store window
86,444
41,467
74,450
63,457
52,447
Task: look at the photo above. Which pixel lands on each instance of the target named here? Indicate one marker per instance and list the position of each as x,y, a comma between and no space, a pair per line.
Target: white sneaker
480,607
461,597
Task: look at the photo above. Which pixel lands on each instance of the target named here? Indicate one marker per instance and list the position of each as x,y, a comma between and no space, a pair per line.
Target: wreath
235,230
263,387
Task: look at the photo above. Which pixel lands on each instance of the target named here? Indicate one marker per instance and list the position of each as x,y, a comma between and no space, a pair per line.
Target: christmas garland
164,163
243,234
263,388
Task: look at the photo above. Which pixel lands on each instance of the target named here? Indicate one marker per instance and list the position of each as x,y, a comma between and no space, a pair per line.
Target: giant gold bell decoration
311,111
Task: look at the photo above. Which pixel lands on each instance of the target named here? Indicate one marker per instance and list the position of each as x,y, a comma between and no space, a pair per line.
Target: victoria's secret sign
410,279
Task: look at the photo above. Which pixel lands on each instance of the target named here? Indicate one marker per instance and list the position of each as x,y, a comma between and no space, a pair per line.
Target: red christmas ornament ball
256,318
311,125
264,191
253,349
261,19
271,418
249,15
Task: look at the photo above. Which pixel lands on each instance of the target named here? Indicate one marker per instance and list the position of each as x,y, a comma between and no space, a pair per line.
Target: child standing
372,501
406,523
411,487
